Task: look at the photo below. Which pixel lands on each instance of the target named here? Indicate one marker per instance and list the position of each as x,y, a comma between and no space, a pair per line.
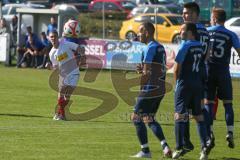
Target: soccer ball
24,65
71,29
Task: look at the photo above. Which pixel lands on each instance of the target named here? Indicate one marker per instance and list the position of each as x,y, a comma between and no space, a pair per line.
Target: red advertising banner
95,51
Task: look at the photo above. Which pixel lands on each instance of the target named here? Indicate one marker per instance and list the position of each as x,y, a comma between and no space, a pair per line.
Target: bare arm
80,56
176,72
139,68
146,71
29,51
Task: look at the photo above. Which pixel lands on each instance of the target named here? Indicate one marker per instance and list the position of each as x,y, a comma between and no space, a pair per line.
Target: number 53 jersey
221,42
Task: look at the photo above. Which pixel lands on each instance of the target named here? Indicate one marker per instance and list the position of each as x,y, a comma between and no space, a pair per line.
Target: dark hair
219,14
15,17
193,6
149,27
193,28
54,32
43,33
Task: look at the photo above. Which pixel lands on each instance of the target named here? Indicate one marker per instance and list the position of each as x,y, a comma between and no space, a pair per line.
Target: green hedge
92,25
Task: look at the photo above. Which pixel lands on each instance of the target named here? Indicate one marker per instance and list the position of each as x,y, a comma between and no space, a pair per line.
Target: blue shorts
147,106
188,99
219,83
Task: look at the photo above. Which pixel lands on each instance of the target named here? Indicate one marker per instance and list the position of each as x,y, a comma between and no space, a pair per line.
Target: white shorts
70,80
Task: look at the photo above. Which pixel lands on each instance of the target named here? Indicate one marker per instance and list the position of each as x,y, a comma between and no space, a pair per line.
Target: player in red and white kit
66,56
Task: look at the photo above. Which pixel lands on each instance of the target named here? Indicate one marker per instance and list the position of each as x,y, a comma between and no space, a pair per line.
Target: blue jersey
51,27
37,43
71,39
46,42
203,36
155,54
221,42
190,57
34,37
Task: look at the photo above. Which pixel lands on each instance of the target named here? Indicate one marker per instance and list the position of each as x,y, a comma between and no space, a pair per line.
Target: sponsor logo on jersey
62,57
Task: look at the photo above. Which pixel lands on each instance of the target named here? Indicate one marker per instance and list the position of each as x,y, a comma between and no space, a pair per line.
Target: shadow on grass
224,158
125,122
22,115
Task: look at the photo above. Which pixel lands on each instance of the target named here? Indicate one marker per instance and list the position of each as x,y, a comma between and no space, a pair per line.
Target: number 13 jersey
221,42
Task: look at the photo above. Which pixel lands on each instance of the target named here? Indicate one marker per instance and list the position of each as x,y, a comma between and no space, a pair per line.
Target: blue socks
141,132
207,120
157,130
208,117
209,109
180,127
187,132
229,116
201,126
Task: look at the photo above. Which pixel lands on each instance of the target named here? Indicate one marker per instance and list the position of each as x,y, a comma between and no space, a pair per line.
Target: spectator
52,26
30,32
46,50
26,59
21,49
34,49
44,39
5,31
4,28
14,27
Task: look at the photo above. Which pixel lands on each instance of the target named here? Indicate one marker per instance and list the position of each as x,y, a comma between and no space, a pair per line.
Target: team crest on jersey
62,57
211,33
160,49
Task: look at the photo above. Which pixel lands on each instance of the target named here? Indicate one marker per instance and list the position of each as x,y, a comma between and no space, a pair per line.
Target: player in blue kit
188,93
219,79
152,91
191,11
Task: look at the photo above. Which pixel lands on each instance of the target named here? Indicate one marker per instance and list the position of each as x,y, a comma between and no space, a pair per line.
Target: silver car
233,24
9,10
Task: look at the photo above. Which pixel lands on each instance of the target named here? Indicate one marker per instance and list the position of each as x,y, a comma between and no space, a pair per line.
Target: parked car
144,9
172,6
124,6
12,1
47,3
9,10
233,24
81,5
67,8
167,26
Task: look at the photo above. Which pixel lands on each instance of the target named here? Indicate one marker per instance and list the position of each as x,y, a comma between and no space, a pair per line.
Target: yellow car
167,27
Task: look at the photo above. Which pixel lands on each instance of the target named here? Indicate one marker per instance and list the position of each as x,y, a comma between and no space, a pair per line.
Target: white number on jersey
219,47
195,66
203,40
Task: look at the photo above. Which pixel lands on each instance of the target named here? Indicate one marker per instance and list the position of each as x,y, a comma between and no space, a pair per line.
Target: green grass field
27,131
